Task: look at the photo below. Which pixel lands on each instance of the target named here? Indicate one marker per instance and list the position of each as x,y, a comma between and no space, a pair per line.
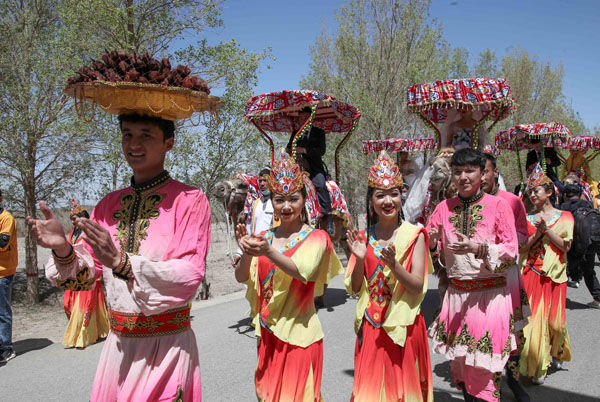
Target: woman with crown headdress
85,309
282,267
545,278
388,269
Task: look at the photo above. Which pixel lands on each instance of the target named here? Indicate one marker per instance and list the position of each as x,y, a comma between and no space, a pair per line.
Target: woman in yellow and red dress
282,267
545,277
85,309
388,268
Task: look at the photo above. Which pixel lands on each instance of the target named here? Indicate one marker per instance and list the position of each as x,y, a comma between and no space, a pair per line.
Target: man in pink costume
476,233
149,241
521,309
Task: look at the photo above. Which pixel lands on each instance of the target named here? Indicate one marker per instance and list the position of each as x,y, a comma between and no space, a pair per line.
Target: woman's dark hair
372,217
546,187
166,126
468,157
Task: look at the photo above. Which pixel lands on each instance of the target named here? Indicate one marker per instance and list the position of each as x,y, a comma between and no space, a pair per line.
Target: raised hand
240,231
463,245
435,233
388,255
357,246
48,232
541,226
100,240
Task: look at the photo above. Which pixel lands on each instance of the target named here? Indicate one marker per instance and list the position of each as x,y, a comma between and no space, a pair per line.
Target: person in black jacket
552,161
312,146
580,265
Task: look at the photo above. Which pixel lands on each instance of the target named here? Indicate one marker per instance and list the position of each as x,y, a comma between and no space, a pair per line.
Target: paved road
47,372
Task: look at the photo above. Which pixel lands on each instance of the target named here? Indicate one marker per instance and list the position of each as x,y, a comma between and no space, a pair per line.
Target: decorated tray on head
433,100
278,112
398,145
584,143
125,83
274,111
551,134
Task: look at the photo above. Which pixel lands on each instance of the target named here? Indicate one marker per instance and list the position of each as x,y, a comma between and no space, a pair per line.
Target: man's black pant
583,267
322,193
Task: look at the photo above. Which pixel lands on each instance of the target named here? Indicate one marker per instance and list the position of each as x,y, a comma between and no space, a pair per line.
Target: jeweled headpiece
75,208
537,178
384,173
286,177
491,150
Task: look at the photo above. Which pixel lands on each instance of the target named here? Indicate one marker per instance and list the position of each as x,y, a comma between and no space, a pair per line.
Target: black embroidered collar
473,199
495,190
158,181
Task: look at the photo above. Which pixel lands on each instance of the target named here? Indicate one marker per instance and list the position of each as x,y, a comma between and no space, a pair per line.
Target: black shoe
6,355
468,397
330,227
517,389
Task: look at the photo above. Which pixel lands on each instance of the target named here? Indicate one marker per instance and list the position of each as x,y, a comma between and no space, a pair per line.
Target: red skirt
384,371
287,372
546,334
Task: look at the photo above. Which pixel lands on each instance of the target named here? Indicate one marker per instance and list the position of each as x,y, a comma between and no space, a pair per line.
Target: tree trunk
31,260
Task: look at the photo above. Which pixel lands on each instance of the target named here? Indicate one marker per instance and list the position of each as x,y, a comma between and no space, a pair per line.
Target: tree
202,155
43,145
537,87
46,148
380,48
227,144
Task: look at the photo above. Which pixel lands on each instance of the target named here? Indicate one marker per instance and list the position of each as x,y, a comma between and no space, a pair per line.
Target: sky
558,31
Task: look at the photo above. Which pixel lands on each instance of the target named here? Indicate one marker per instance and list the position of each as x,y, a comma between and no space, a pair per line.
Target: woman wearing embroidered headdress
388,268
282,267
86,309
545,278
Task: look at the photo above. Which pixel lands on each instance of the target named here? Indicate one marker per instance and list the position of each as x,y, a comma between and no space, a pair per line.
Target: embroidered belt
138,325
540,273
475,285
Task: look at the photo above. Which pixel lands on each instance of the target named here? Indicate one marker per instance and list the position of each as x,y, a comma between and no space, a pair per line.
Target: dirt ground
48,320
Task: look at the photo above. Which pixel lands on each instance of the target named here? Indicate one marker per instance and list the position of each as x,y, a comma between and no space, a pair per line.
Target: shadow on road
243,327
27,345
573,305
430,306
442,370
335,297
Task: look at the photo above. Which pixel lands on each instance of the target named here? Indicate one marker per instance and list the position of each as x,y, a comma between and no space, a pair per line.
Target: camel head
232,193
441,173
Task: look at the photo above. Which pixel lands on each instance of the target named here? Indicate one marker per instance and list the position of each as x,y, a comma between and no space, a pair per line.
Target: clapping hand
388,255
462,245
435,233
252,245
357,246
100,240
48,232
541,226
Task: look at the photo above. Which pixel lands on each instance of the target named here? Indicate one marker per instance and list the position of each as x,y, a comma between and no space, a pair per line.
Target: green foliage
206,155
379,49
142,25
537,87
47,151
43,149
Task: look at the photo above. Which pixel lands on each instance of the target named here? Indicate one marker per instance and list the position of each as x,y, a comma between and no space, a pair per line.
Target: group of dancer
148,243
484,324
